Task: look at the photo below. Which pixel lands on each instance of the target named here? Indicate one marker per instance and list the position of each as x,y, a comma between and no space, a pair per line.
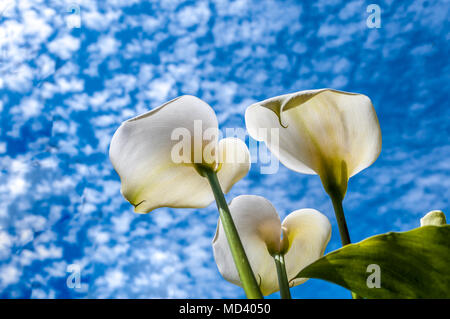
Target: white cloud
64,46
9,275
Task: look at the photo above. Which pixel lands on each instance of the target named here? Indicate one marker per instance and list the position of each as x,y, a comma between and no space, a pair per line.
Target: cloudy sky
72,71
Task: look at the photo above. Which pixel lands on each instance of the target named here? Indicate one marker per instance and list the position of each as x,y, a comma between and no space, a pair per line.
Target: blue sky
64,91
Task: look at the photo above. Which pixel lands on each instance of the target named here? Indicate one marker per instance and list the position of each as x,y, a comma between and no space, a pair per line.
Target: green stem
282,276
244,269
342,224
340,217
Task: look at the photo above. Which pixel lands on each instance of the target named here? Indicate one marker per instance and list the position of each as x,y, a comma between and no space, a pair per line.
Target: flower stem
244,269
340,217
282,276
342,224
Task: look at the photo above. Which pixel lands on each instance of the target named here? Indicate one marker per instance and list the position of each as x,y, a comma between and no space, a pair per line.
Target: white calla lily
433,218
158,170
331,133
306,232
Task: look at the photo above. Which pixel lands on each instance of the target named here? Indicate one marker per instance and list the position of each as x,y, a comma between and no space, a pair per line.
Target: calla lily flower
302,238
158,170
433,218
331,133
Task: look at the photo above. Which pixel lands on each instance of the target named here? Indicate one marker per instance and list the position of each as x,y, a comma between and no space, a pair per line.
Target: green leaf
412,264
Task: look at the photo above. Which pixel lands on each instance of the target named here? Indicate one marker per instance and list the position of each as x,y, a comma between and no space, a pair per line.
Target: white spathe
433,218
306,233
142,152
331,133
